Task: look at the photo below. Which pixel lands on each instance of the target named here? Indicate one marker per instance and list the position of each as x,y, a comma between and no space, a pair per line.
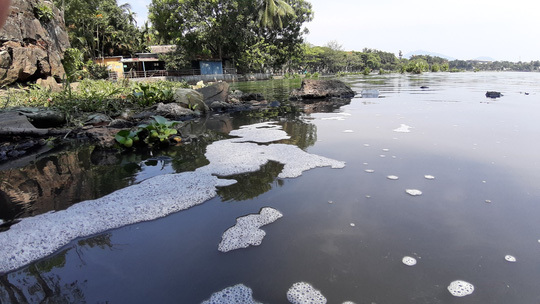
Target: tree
100,27
272,12
226,29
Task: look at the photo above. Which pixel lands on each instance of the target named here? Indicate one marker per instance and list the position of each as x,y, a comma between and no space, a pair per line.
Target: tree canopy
101,27
240,30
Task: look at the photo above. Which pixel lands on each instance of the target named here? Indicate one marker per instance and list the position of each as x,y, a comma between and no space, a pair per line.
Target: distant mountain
421,52
484,58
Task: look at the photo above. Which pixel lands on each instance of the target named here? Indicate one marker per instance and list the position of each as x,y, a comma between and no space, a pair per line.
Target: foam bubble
232,295
386,150
367,145
510,258
392,177
353,224
460,288
369,170
246,232
348,302
430,177
403,129
409,261
303,293
36,237
488,201
348,131
414,192
330,202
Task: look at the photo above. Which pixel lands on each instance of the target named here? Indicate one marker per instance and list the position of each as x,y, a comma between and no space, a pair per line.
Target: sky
462,29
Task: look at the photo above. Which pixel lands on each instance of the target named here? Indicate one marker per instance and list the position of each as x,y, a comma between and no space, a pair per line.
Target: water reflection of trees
251,185
38,282
302,134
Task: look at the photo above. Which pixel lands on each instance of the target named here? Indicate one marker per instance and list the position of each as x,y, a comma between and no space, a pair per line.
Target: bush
96,71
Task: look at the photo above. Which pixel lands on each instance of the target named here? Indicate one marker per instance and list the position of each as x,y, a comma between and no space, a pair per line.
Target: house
150,65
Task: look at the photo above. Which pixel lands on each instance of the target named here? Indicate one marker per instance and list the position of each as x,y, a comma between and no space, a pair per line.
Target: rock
319,89
43,118
191,99
216,92
14,120
49,83
174,110
120,124
493,94
104,137
29,48
251,96
98,119
221,106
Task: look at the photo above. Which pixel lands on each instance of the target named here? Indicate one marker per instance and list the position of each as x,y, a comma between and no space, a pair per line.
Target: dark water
477,149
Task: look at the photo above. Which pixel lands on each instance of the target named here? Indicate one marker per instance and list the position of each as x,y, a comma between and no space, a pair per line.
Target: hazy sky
463,29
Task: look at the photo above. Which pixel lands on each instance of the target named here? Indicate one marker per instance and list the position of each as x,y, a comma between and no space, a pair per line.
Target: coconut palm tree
271,13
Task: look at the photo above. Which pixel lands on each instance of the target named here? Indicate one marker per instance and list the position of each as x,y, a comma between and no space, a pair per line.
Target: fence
189,75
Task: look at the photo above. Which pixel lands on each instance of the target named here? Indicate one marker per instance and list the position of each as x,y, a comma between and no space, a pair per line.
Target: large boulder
218,91
190,99
31,48
320,89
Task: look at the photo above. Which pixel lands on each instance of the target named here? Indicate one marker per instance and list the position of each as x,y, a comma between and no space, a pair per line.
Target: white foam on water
330,202
348,131
246,232
460,288
409,261
303,293
348,302
382,155
392,177
353,224
232,295
369,170
414,192
488,201
430,177
36,237
403,129
367,145
264,132
510,258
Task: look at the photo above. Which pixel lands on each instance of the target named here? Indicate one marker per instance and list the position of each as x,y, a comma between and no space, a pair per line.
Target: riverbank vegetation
92,96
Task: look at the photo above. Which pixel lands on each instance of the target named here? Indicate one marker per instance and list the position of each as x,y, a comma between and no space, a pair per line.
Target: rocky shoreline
24,131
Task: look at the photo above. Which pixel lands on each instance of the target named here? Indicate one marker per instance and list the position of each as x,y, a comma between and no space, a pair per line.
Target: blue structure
211,67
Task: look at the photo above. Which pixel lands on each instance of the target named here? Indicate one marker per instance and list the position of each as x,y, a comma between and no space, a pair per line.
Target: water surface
482,205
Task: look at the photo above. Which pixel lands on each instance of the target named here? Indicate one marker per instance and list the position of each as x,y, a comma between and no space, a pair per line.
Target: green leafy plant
43,12
161,128
127,138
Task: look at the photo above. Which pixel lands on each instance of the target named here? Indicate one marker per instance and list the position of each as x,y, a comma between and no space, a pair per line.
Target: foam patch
409,261
510,258
229,158
460,288
303,293
36,237
414,192
392,177
403,129
232,295
246,232
252,133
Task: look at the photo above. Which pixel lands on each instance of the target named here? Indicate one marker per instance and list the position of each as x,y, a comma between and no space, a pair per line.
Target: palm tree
271,13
